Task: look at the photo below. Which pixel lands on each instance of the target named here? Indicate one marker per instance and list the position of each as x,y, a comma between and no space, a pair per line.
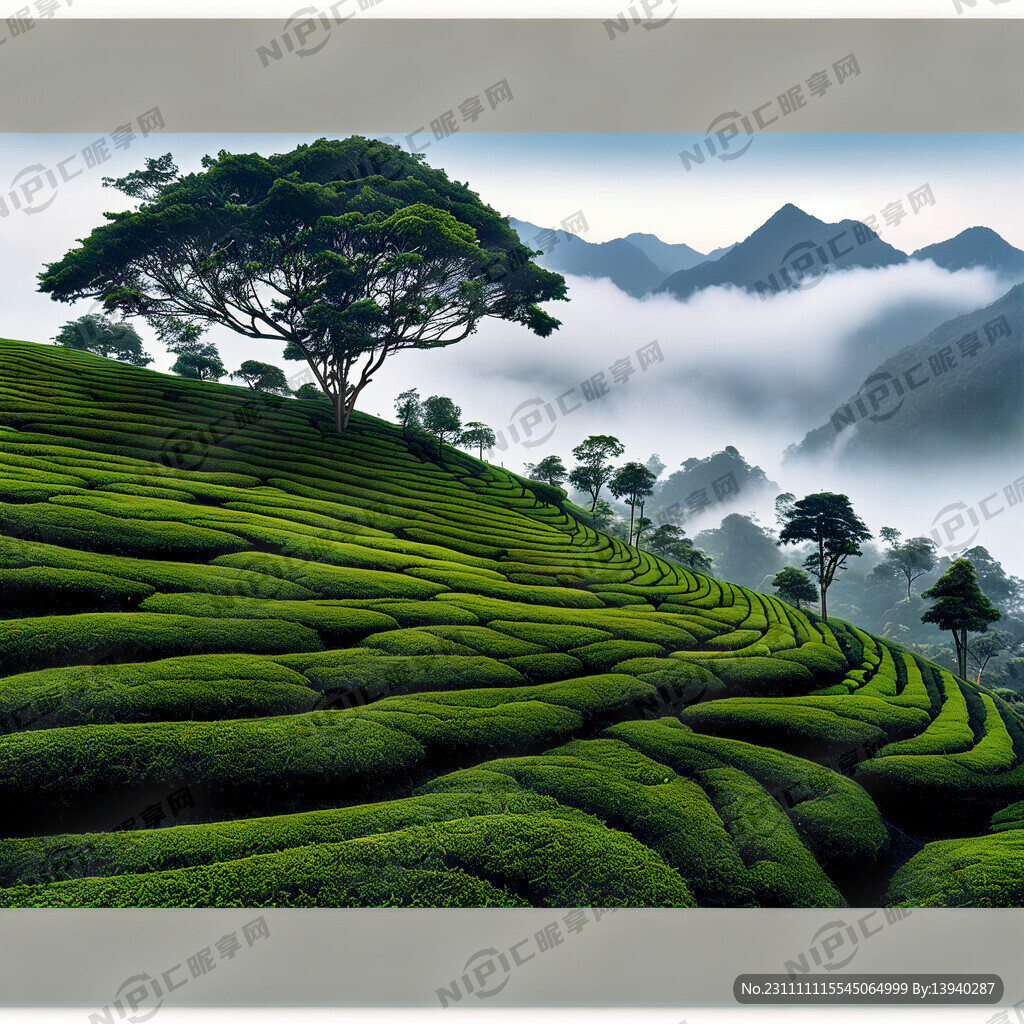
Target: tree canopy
409,409
343,251
199,361
96,333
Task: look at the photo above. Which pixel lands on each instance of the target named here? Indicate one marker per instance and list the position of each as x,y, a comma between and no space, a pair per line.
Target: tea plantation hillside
247,661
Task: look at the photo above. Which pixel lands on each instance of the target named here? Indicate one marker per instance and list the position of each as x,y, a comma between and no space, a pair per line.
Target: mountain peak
975,246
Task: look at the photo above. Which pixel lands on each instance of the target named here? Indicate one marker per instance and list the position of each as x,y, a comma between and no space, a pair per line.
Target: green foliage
200,362
794,585
96,333
979,872
551,469
441,416
604,655
193,688
960,607
593,466
671,542
433,260
305,627
312,392
477,435
828,521
55,640
263,377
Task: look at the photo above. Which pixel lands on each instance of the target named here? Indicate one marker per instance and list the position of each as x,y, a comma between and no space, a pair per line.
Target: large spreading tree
828,521
550,468
342,251
960,607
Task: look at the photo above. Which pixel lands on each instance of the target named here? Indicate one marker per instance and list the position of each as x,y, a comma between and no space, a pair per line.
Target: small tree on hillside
593,466
604,515
95,333
551,469
633,482
654,464
960,607
263,377
641,524
479,436
671,542
982,649
911,559
442,417
409,409
793,585
199,362
829,522
310,392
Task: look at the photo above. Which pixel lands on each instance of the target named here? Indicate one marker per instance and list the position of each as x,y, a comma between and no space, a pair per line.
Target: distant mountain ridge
637,264
949,394
790,250
975,247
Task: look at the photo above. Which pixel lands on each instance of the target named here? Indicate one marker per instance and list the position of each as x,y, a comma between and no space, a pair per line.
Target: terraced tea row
394,680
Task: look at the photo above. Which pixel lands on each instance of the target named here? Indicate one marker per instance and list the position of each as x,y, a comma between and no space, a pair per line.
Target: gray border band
671,958
565,75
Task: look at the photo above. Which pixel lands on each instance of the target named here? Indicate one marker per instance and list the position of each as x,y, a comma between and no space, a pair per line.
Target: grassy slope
391,681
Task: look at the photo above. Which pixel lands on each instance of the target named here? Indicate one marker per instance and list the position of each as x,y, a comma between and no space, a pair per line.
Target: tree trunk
340,418
822,586
632,509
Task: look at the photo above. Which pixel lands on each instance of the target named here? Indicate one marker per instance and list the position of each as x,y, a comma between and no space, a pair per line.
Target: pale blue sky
756,375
